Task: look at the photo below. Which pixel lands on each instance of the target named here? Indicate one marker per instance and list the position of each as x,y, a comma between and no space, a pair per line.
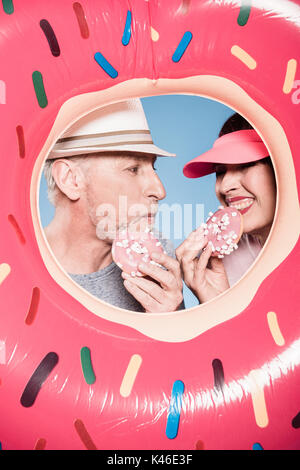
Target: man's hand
204,275
160,290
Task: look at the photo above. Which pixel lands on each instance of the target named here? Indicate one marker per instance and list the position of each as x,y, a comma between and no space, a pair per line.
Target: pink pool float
76,372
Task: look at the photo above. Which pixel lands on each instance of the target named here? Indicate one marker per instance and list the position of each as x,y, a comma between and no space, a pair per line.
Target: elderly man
101,179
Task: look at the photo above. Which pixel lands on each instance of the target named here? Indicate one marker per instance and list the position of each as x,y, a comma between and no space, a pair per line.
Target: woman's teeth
241,204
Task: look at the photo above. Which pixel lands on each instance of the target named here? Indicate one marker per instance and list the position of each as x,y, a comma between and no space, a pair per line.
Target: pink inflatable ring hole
186,324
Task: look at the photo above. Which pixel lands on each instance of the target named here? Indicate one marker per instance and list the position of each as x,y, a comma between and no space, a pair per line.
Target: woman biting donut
245,181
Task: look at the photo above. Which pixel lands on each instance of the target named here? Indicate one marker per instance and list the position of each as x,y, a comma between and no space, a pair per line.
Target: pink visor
234,148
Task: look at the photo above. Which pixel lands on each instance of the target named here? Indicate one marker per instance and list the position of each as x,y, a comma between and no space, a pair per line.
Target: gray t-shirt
107,283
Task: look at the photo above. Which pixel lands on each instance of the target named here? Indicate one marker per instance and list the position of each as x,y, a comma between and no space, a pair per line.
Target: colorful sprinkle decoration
37,379
185,6
182,46
51,38
244,12
34,304
8,6
5,270
21,141
84,435
296,421
218,374
40,444
290,76
244,57
174,409
258,399
257,446
2,92
200,445
82,23
86,364
275,329
39,89
14,223
130,375
105,65
127,30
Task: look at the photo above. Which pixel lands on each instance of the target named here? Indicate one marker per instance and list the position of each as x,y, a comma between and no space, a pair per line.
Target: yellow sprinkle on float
4,271
130,375
274,328
244,57
291,69
258,399
154,34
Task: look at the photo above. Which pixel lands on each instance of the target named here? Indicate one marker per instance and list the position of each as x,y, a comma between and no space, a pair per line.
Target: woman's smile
240,203
251,190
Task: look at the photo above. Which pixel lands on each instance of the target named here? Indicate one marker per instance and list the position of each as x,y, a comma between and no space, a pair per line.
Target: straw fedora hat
118,127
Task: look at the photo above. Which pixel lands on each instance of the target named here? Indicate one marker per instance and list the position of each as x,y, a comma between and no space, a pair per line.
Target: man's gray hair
53,190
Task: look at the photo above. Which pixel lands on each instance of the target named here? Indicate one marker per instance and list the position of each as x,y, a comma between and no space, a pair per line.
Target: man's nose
153,187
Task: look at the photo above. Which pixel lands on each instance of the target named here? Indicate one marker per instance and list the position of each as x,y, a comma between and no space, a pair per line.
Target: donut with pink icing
131,248
223,230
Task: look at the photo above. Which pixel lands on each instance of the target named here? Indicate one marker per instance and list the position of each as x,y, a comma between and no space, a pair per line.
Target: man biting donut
101,179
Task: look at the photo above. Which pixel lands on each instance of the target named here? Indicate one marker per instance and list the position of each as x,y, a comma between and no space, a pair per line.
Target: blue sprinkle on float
174,409
127,29
105,65
257,446
182,46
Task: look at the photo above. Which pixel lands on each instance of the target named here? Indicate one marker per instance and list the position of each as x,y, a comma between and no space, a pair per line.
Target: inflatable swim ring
77,373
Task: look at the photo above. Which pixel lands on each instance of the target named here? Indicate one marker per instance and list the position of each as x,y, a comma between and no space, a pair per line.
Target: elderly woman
245,180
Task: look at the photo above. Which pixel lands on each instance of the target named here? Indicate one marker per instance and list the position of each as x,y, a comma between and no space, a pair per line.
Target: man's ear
69,178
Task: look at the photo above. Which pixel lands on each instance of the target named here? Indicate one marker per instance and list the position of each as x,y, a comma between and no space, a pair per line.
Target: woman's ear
69,178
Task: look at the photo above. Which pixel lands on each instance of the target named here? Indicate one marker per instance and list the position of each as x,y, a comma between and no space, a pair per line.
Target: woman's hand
204,275
161,289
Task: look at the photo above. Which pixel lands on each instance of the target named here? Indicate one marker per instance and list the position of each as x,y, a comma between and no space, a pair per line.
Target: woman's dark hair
236,122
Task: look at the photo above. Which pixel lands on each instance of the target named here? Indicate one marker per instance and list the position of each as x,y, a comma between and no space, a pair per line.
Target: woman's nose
230,181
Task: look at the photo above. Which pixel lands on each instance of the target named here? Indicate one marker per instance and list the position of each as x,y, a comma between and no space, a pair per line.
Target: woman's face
251,189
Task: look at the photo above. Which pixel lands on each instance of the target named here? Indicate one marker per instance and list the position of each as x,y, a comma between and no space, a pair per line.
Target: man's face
122,192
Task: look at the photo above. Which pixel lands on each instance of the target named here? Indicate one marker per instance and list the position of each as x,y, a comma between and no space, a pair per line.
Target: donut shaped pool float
77,373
